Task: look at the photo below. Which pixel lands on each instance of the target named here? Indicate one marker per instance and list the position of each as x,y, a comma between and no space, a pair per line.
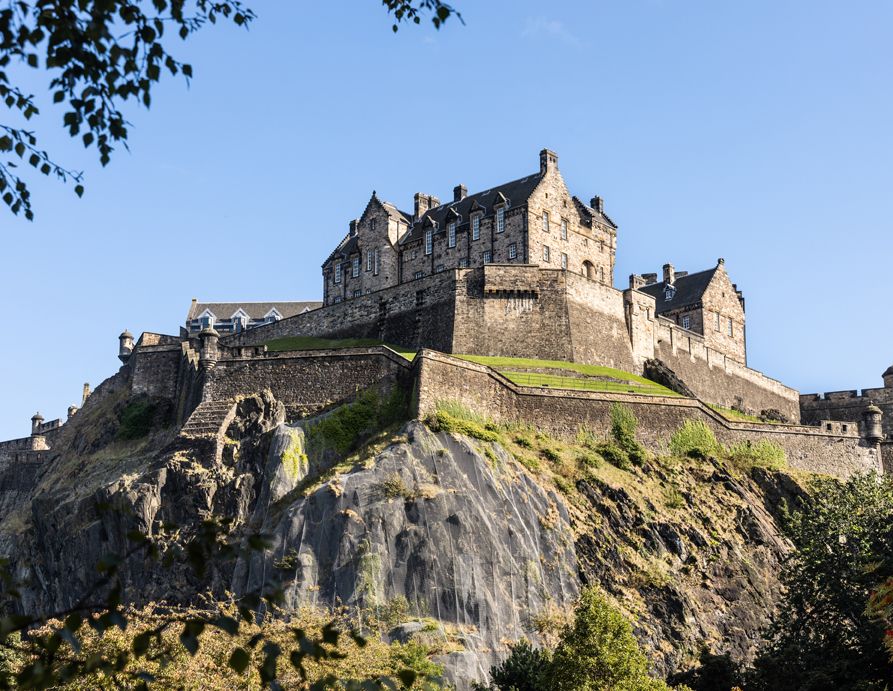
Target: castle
524,269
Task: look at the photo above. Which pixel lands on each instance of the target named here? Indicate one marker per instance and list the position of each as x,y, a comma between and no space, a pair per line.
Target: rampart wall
715,378
848,405
440,377
309,380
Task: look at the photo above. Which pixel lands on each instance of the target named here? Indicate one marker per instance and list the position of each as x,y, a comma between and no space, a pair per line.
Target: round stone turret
872,419
208,353
888,377
36,422
125,345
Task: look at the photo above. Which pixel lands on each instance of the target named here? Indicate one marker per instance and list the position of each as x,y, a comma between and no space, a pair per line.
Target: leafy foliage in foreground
822,636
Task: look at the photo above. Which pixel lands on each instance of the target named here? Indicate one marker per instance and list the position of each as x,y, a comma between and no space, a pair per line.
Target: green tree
99,54
525,669
822,636
599,652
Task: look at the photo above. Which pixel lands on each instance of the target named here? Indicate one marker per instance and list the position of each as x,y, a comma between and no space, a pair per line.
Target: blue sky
757,131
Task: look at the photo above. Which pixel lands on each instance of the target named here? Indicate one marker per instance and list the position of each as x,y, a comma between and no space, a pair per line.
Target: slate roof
689,291
516,193
600,216
255,310
344,249
396,214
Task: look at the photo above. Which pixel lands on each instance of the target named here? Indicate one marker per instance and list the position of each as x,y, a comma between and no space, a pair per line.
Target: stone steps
209,419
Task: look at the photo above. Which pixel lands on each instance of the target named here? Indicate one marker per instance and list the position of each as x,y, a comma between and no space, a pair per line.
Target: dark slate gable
689,291
599,216
345,248
516,192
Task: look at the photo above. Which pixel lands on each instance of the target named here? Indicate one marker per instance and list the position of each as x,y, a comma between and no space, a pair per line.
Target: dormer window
476,227
451,234
500,220
429,241
669,293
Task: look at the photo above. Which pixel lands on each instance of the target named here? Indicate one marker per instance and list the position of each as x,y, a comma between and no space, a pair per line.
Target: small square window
463,263
500,220
338,298
418,274
546,253
828,427
843,428
513,251
357,293
563,260
686,322
438,269
488,257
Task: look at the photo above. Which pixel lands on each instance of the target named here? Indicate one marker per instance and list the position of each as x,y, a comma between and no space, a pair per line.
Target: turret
208,354
125,346
872,421
36,422
38,441
888,377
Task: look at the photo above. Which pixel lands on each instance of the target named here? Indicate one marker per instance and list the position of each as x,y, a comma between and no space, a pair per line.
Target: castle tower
36,422
125,346
38,441
872,421
208,354
86,393
888,377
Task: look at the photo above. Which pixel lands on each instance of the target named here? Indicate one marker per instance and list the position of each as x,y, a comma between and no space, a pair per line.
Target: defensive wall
816,449
516,310
848,405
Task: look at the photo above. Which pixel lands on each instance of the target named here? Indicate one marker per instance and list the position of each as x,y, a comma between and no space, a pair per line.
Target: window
372,224
602,272
370,257
438,268
476,228
357,293
717,321
415,254
500,220
338,298
337,273
686,322
355,267
377,262
513,251
669,292
451,235
546,253
488,257
418,274
601,245
564,229
731,328
463,263
429,241
563,260
545,221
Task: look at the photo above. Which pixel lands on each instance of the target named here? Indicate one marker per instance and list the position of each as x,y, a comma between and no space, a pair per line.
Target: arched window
589,270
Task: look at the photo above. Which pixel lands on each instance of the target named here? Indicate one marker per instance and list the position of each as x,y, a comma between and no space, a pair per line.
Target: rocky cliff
471,535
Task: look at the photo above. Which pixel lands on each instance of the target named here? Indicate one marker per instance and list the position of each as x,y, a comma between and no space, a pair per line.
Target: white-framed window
338,298
429,241
418,274
337,273
500,219
686,322
563,260
451,234
357,293
564,229
717,327
370,258
546,253
355,267
731,327
488,256
669,292
476,227
545,221
513,251
463,263
438,269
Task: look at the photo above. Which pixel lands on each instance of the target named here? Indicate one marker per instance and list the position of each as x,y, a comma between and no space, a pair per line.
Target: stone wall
562,413
848,405
718,379
155,369
307,381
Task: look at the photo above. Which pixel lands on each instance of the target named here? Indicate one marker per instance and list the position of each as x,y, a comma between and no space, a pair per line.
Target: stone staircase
209,420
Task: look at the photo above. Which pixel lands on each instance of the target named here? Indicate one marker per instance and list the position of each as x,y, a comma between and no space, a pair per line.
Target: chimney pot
598,204
548,160
459,193
353,227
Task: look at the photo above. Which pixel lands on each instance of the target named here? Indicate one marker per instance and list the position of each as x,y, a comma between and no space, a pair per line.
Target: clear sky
756,131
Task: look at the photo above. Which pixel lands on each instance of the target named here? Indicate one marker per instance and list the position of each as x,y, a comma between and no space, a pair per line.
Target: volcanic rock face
475,547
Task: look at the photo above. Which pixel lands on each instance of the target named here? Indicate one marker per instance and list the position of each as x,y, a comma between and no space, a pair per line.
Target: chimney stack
669,274
636,281
548,161
422,203
598,204
353,227
86,394
459,193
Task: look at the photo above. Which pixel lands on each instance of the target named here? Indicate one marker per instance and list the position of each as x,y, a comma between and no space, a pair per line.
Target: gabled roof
344,249
599,216
516,192
254,310
395,213
349,244
689,291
